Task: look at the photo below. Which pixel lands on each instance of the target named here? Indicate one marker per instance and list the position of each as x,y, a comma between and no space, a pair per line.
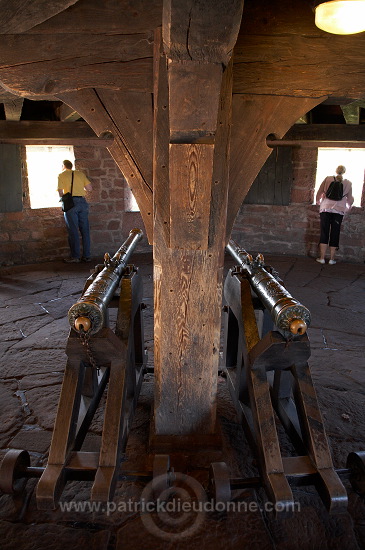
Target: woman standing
332,213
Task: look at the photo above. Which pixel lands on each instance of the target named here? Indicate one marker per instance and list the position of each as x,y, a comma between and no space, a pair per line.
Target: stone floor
34,328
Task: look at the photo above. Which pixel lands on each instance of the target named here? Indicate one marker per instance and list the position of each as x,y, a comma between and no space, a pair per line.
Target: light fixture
340,16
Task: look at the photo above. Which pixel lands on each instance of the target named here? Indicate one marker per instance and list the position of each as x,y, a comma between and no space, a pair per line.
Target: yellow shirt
79,184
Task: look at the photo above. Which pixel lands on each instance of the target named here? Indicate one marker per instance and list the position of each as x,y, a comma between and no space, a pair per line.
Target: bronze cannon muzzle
288,314
87,315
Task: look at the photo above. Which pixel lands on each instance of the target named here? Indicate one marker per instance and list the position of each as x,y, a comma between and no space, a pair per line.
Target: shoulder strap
72,181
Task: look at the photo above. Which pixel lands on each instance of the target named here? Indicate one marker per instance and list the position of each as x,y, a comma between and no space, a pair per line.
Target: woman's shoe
332,262
320,261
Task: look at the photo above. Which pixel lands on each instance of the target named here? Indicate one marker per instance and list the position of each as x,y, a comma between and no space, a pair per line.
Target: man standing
77,218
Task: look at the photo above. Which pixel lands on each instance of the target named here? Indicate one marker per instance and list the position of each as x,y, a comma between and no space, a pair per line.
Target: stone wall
40,235
294,229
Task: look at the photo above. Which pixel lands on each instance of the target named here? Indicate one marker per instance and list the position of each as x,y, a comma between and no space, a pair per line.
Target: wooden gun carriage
266,351
97,357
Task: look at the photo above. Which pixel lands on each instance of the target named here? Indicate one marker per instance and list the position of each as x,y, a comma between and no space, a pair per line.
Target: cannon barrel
87,315
288,314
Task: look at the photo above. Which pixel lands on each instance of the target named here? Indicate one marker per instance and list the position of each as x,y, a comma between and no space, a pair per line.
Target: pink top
338,207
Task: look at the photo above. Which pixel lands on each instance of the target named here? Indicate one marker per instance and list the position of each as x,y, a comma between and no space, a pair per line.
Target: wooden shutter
273,183
11,195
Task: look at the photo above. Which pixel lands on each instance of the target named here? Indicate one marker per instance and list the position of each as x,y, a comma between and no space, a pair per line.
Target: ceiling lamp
340,16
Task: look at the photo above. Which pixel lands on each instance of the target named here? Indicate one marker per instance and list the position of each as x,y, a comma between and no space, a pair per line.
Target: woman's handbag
66,199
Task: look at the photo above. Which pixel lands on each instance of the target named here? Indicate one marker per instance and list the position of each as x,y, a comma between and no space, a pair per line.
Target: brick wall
294,229
40,235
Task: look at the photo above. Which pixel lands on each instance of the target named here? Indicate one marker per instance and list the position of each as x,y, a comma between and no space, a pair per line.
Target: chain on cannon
266,352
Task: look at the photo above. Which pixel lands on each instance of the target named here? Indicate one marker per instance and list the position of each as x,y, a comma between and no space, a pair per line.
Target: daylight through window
352,159
44,163
131,203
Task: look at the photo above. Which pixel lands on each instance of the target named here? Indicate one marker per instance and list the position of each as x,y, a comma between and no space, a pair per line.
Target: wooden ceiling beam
281,52
326,132
13,108
53,133
314,143
51,65
66,114
9,96
351,112
106,16
22,15
288,57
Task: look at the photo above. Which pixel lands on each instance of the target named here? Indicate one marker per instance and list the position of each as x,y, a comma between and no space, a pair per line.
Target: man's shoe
71,260
332,262
320,261
87,260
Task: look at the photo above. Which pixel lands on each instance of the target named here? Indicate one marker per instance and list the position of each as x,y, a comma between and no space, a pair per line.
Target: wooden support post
193,90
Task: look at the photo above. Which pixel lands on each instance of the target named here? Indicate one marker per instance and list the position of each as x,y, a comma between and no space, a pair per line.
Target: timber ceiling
53,46
148,75
14,108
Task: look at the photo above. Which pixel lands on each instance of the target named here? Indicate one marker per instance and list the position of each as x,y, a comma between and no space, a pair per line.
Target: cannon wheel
356,464
12,471
161,475
219,482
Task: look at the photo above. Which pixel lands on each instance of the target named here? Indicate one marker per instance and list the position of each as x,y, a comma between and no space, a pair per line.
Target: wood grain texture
161,136
194,98
313,430
67,412
132,113
279,49
191,169
273,55
22,15
187,335
73,50
201,30
13,108
188,273
107,16
47,64
220,177
328,132
66,114
28,129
